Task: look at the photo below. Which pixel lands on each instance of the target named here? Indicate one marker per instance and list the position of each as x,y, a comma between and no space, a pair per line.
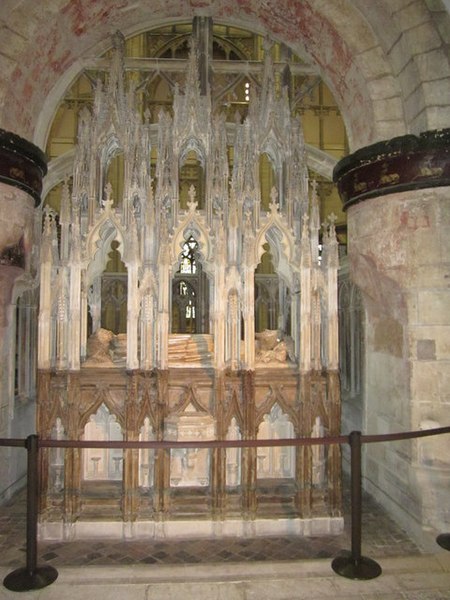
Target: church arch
281,243
304,30
106,299
266,293
192,227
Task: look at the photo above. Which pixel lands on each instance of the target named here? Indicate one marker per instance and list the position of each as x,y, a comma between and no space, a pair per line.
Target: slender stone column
397,196
22,167
130,505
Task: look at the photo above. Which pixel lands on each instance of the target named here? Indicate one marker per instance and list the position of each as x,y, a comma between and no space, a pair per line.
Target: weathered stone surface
388,109
412,15
389,337
434,307
426,349
422,38
434,117
396,258
431,64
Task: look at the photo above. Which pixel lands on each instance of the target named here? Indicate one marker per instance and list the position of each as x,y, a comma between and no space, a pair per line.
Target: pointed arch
275,398
189,398
147,407
282,247
103,463
107,230
194,227
272,146
102,398
192,144
109,146
192,172
276,462
234,410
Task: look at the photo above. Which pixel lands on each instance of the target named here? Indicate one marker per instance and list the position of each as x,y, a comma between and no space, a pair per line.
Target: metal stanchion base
22,580
444,540
364,568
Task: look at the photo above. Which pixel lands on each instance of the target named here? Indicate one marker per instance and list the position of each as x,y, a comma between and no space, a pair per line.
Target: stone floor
383,540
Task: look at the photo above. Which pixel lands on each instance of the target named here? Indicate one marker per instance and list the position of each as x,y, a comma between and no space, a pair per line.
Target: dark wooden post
356,566
31,577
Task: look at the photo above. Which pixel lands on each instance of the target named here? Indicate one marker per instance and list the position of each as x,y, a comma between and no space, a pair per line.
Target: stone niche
190,466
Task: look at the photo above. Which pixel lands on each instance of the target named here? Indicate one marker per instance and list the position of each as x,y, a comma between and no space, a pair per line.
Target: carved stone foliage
213,348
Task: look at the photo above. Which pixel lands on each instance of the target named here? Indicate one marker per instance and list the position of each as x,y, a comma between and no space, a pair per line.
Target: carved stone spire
314,223
305,245
192,112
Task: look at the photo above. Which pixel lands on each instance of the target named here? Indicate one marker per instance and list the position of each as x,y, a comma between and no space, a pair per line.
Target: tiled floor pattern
227,569
381,538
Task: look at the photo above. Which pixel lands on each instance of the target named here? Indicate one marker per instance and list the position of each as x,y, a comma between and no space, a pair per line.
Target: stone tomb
156,322
206,492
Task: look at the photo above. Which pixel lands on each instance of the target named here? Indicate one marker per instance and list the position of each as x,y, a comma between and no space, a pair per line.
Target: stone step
420,577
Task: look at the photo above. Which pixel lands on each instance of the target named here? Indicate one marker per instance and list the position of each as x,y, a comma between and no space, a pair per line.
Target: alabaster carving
272,346
190,466
105,349
98,348
215,348
191,349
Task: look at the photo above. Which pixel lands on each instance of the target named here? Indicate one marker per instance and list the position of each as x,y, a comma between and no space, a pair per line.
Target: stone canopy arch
194,227
109,147
282,245
100,238
192,145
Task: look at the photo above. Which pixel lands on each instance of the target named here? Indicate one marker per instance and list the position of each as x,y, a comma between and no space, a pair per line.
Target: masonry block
434,307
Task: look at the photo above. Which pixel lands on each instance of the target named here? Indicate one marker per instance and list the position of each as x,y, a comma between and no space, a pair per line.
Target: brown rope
167,445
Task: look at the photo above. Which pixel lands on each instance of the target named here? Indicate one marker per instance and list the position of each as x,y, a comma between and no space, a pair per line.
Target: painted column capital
22,164
401,164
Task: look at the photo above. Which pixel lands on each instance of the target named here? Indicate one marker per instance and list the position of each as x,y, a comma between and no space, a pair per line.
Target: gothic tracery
183,261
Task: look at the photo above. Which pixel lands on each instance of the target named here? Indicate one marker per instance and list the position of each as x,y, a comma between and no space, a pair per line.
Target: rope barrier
13,442
353,565
167,444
